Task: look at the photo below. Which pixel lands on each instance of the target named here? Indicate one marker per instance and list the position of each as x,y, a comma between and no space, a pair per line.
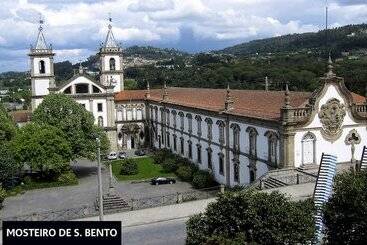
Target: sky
77,27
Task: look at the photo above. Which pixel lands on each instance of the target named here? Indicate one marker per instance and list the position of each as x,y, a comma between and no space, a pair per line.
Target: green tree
345,214
7,126
8,165
43,148
256,217
75,121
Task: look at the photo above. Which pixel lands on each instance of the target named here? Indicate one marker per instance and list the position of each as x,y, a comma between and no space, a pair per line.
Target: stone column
287,148
91,106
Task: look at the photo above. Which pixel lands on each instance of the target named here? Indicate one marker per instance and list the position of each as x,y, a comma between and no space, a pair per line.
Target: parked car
112,156
140,152
122,155
162,180
11,182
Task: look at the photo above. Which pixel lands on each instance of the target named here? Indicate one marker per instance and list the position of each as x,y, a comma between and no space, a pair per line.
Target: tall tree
42,147
346,212
75,121
7,126
8,165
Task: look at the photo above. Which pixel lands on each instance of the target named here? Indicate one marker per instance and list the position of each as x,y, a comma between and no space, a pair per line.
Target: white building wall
41,87
262,144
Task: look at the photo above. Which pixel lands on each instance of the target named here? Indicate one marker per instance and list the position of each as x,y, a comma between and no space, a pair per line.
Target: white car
112,156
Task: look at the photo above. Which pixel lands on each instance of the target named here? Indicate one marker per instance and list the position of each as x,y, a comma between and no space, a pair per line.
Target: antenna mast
327,27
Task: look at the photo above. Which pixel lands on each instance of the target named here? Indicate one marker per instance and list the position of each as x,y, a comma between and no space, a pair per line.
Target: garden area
162,163
139,169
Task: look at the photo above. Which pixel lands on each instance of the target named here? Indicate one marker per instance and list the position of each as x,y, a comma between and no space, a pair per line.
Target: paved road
171,232
83,194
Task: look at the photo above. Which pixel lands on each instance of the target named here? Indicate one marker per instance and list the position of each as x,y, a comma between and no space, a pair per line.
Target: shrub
257,217
129,167
160,155
27,179
185,173
169,165
197,230
68,178
202,179
2,195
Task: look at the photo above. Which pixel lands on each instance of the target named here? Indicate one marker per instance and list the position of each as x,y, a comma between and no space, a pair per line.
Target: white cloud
76,27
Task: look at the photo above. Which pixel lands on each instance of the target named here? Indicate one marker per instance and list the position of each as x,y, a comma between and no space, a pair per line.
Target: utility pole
100,191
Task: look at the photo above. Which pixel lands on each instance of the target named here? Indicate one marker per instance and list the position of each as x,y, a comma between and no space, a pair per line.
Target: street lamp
100,191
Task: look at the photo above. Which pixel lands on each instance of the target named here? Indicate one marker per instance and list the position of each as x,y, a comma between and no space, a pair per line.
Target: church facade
238,135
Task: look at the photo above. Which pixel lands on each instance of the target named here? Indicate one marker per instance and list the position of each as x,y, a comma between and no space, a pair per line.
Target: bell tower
112,72
41,68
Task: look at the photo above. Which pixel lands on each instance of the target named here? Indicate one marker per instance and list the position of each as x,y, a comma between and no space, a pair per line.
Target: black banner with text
61,232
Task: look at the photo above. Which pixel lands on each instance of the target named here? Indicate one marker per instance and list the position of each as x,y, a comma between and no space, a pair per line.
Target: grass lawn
147,170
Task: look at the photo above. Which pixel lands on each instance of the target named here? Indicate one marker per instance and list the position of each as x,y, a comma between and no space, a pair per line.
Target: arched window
189,122
209,123
198,121
236,137
221,126
272,146
252,141
42,67
112,64
174,113
100,121
182,121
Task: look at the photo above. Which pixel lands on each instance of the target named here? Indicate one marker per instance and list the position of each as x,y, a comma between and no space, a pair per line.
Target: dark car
122,155
162,180
140,152
12,182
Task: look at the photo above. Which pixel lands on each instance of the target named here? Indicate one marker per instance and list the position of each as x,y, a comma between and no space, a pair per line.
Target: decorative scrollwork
332,116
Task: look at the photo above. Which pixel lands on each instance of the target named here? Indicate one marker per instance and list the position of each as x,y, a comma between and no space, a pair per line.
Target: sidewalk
157,214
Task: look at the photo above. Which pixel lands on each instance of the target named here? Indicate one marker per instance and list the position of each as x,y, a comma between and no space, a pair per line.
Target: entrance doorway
308,148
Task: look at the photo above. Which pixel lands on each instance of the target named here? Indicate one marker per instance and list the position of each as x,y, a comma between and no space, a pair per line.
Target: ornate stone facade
331,116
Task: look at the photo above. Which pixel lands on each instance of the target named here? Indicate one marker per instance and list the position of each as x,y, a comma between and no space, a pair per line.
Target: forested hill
346,38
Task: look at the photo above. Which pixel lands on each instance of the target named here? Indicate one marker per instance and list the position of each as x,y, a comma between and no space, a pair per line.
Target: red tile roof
21,116
250,103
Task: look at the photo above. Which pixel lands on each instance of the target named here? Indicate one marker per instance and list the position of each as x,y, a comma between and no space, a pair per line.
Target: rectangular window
221,164
236,172
182,147
175,143
129,115
199,153
210,165
190,149
168,141
100,107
